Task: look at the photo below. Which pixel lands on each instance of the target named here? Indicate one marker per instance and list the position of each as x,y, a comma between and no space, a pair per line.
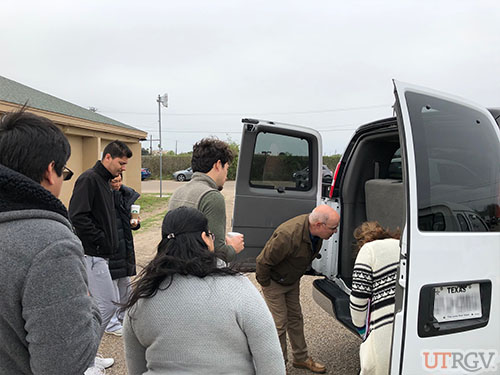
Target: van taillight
334,179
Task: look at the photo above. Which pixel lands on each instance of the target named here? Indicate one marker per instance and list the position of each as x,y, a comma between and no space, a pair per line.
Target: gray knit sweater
214,325
48,322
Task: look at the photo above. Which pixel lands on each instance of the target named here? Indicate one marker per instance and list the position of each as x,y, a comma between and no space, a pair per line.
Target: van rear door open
448,299
278,177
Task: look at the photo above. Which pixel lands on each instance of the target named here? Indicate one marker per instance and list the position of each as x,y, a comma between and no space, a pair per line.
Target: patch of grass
164,177
153,209
150,202
152,221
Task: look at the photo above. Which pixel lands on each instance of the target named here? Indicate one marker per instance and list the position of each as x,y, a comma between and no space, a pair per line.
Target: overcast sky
323,64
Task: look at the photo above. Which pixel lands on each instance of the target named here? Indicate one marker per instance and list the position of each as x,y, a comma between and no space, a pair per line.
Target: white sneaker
95,370
118,332
103,362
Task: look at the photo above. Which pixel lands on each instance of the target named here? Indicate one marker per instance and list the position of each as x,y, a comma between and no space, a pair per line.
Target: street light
162,100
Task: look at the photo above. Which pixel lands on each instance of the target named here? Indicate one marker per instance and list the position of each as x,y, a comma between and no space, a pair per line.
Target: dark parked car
183,175
145,173
301,177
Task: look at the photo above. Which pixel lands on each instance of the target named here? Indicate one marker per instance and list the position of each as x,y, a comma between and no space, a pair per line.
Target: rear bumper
334,301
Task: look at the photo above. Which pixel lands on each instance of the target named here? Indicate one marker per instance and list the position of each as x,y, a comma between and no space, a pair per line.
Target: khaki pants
284,303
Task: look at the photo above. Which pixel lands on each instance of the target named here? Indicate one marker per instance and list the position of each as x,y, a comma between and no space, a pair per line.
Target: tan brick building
88,132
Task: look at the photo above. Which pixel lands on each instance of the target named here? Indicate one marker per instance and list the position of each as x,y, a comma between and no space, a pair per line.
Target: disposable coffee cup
233,234
135,210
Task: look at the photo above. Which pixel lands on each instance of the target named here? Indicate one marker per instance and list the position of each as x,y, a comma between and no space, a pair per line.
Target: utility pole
151,144
176,147
161,100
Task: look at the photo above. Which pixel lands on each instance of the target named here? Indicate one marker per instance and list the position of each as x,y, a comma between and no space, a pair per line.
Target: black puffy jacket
122,263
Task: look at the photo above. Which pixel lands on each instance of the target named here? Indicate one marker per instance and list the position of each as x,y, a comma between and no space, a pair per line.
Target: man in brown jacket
284,259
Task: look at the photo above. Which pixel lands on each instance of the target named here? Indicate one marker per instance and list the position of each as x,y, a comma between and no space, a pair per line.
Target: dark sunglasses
212,236
67,173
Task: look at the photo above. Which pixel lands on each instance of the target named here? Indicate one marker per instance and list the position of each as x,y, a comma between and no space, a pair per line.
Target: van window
395,171
458,166
463,223
281,161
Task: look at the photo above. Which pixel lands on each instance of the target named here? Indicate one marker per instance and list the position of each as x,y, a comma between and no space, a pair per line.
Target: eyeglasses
67,173
331,228
212,236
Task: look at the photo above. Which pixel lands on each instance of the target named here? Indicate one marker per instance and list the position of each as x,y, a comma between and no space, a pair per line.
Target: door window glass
462,222
477,223
281,161
458,166
395,171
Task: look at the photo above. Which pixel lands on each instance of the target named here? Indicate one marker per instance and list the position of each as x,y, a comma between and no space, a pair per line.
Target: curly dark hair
370,231
207,152
181,251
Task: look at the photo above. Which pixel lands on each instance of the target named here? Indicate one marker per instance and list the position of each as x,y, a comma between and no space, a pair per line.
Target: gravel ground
329,342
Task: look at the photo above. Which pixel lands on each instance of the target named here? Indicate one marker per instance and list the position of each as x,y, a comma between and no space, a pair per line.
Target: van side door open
449,281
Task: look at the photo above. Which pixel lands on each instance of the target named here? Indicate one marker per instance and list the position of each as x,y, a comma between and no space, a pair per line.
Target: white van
433,170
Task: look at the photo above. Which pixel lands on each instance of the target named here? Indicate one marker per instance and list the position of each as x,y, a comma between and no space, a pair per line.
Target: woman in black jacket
122,264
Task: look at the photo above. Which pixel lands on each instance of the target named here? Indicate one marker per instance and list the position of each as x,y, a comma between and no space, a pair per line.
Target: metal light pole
162,100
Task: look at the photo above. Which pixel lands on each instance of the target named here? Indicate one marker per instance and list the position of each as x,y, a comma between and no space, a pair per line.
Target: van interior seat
385,202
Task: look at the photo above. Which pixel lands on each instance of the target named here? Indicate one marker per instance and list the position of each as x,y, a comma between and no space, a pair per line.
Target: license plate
457,302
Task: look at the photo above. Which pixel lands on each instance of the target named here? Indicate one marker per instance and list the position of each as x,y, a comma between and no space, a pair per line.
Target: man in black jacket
92,213
122,264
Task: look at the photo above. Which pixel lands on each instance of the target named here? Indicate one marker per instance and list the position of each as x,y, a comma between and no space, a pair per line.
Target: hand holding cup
134,212
236,240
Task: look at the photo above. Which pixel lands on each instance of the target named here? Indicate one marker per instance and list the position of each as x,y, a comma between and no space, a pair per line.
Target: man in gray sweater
48,322
210,162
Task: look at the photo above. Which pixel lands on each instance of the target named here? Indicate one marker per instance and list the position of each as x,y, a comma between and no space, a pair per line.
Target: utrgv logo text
454,360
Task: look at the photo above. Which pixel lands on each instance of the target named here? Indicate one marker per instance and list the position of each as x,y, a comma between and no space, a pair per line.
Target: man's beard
220,187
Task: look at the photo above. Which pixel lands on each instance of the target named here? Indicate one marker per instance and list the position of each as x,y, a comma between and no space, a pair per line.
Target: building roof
14,92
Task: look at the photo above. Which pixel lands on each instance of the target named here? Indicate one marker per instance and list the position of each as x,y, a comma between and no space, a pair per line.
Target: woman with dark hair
372,296
122,263
186,316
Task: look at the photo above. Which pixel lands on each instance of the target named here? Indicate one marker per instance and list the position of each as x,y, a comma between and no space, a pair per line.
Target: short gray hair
318,217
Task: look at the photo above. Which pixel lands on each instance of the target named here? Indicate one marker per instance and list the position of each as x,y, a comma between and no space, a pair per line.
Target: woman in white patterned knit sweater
373,286
186,316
